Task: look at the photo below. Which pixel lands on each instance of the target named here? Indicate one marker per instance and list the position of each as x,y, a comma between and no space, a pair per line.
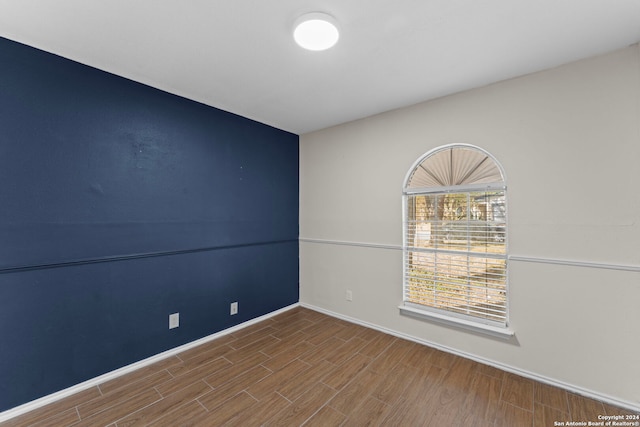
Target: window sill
494,331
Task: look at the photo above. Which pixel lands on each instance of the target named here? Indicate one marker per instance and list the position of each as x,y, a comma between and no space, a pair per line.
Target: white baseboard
536,377
35,404
30,406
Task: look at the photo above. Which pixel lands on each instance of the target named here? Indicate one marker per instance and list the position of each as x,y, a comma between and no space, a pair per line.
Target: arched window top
454,165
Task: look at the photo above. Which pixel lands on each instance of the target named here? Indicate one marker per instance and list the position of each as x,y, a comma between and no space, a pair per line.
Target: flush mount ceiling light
316,31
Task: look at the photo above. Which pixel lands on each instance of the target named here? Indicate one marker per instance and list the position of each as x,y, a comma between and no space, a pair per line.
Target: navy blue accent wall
121,204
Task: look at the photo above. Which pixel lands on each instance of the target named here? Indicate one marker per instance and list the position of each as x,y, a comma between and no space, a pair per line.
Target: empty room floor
302,367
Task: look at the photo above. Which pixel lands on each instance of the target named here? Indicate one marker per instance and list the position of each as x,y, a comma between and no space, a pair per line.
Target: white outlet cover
174,320
234,308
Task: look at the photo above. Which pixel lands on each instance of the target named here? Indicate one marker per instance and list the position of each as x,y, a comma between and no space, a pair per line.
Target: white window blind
455,257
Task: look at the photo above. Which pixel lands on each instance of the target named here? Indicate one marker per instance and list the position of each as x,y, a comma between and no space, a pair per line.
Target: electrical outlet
349,295
234,308
174,320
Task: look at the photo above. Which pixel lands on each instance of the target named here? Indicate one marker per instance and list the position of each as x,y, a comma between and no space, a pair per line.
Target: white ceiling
238,55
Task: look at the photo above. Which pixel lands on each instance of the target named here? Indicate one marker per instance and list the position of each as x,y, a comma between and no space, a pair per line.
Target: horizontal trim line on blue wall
571,263
116,258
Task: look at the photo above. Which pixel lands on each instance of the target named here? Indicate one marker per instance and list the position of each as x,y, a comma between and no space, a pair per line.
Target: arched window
455,238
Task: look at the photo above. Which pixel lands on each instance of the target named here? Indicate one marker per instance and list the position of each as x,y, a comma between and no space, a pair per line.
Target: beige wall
569,141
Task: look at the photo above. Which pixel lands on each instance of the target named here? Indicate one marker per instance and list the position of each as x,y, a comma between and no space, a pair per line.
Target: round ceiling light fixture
316,31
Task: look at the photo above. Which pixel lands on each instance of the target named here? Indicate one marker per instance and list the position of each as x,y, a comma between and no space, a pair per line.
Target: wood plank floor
305,368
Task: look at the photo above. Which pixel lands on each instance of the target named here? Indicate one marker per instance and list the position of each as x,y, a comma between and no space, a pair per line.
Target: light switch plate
174,320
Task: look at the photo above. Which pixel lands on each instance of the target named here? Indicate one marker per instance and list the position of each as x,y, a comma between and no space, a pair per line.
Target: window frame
441,315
